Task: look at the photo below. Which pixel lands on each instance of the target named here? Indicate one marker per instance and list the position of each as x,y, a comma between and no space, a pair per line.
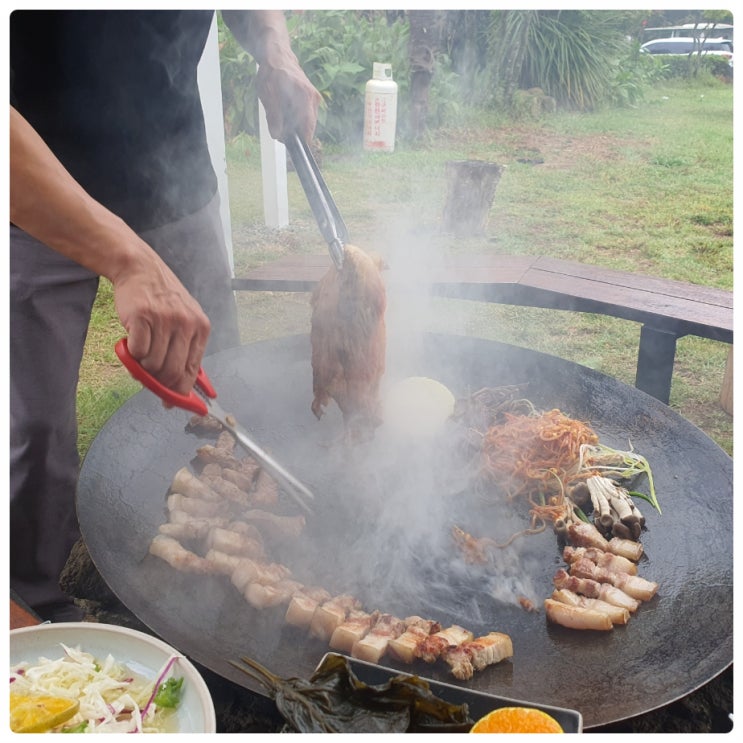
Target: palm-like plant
570,54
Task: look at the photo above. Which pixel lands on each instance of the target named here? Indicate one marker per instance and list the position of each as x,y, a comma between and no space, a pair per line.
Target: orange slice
517,720
37,713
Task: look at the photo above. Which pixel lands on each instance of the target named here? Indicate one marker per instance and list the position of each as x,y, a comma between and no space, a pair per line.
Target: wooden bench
667,309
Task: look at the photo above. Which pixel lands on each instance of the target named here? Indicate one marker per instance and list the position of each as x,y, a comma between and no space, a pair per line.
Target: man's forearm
49,204
260,32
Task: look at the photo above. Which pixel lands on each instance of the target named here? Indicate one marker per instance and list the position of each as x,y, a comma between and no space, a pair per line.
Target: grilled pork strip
477,654
184,526
245,479
374,644
303,604
194,506
177,556
607,560
576,617
595,590
234,543
435,644
633,585
254,571
263,596
626,548
273,525
353,629
617,614
417,629
328,615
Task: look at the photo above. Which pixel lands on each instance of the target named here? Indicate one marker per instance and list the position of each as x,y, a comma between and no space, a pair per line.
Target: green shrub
693,65
336,49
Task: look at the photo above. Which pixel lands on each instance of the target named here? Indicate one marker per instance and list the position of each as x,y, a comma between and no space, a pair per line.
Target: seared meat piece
430,648
328,615
353,629
349,338
302,606
372,646
477,654
416,630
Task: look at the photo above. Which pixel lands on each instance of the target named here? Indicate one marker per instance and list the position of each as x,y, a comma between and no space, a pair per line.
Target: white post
273,170
210,87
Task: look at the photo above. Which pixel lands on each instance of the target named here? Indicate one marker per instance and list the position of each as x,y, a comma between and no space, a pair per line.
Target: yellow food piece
418,406
517,720
37,713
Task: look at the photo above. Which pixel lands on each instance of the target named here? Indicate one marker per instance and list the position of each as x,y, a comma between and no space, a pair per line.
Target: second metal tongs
321,201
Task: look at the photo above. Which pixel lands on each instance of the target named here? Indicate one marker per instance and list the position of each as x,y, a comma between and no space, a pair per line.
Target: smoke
402,493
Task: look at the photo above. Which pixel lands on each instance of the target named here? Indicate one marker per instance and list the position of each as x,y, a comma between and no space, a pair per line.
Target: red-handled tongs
202,401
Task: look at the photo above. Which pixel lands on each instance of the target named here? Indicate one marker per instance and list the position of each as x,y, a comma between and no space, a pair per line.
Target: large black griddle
675,644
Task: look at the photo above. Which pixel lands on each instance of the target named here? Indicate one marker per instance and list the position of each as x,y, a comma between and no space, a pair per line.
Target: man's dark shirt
115,96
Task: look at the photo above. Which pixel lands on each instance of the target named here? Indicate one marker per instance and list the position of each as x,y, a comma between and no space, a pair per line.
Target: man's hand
290,99
167,329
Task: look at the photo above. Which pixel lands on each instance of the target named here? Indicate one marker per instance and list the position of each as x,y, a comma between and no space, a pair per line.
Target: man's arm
167,328
290,99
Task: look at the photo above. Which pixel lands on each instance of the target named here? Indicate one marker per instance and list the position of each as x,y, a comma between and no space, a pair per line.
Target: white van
688,44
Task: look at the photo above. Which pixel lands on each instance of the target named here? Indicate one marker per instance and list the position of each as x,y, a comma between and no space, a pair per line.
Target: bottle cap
382,71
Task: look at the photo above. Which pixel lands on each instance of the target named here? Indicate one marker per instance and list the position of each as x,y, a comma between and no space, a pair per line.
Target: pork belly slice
626,548
183,526
435,644
255,571
477,654
583,534
194,506
576,617
633,585
243,479
263,596
303,604
186,483
273,525
329,614
210,454
265,491
374,644
178,557
226,489
226,442
595,590
234,543
617,614
607,560
351,630
222,562
404,647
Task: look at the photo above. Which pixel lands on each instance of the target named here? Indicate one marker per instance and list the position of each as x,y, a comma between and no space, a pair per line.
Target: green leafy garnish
170,692
81,727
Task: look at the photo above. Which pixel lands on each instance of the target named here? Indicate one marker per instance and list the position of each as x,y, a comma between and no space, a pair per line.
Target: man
111,176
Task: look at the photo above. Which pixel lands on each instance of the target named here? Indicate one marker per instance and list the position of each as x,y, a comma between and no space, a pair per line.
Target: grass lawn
648,189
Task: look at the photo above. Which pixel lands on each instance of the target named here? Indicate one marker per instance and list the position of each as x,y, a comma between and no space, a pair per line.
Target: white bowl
142,653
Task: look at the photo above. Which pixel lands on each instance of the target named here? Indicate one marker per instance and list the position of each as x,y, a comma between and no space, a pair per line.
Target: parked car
688,44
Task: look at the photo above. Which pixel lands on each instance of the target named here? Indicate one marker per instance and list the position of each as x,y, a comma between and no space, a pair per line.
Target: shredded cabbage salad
113,699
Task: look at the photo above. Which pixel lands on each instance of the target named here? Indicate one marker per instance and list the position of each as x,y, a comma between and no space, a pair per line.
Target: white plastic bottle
380,110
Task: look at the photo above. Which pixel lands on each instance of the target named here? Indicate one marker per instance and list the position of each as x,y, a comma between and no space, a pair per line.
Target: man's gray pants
50,304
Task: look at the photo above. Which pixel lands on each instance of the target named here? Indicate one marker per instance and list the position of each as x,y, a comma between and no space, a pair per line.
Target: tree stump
471,188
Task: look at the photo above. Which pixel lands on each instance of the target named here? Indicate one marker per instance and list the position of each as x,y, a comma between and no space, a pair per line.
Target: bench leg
655,363
726,393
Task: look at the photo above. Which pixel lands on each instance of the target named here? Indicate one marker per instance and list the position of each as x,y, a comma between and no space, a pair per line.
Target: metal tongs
326,213
202,401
